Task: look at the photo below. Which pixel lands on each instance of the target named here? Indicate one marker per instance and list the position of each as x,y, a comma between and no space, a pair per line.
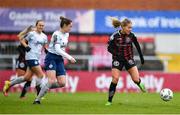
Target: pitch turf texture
90,103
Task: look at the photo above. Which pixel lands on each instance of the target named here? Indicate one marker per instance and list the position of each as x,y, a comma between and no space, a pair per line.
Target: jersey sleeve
111,45
62,52
56,38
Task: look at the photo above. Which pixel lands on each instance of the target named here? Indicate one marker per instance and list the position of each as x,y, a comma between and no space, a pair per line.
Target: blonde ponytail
115,22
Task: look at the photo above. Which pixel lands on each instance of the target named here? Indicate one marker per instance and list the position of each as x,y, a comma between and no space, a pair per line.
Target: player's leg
58,72
51,84
112,87
51,74
50,67
18,80
53,69
133,71
25,89
116,69
61,76
20,71
37,70
29,72
28,78
26,85
23,78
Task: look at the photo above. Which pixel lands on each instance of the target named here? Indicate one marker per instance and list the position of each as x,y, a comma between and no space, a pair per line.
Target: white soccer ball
166,94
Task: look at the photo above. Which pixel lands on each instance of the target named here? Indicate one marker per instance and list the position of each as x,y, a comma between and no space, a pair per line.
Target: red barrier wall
78,81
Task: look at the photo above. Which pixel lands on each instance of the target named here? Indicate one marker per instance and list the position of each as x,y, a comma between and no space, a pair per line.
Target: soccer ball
166,94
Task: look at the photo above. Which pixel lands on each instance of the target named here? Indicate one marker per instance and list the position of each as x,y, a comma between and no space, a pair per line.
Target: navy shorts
125,63
32,63
55,62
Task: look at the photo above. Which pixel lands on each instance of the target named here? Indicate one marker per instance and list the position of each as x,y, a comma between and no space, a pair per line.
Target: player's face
128,28
67,28
40,26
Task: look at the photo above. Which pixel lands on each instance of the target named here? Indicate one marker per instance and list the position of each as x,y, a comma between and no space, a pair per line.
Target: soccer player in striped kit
120,46
54,62
36,41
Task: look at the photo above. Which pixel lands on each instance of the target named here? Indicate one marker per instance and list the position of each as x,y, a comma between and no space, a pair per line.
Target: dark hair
64,21
38,22
116,23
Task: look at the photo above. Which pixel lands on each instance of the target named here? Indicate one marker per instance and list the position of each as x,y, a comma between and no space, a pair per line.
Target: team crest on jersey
22,65
116,63
131,62
51,66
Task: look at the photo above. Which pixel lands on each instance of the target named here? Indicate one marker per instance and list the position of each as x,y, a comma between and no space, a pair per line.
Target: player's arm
61,51
136,43
45,46
24,41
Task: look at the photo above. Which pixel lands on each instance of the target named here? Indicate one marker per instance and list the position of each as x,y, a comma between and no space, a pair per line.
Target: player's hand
45,50
73,60
27,49
142,60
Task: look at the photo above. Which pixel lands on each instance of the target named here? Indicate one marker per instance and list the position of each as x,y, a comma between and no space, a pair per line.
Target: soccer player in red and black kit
120,46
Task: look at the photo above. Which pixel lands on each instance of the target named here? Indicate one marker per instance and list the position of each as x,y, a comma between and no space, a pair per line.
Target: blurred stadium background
156,24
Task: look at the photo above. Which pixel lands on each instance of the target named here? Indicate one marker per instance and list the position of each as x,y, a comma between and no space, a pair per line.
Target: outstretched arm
63,53
136,43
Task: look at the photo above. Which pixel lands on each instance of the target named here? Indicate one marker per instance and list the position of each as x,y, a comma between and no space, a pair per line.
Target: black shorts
125,63
21,65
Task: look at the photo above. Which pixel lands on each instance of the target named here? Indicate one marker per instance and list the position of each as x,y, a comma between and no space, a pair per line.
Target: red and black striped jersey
121,46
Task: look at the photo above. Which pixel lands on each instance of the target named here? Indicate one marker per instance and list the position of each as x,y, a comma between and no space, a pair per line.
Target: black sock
138,82
112,90
38,89
25,88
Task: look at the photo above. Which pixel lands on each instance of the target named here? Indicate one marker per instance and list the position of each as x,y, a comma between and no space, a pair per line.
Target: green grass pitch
90,103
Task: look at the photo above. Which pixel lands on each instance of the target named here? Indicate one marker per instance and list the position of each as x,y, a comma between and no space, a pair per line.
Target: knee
40,74
115,79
